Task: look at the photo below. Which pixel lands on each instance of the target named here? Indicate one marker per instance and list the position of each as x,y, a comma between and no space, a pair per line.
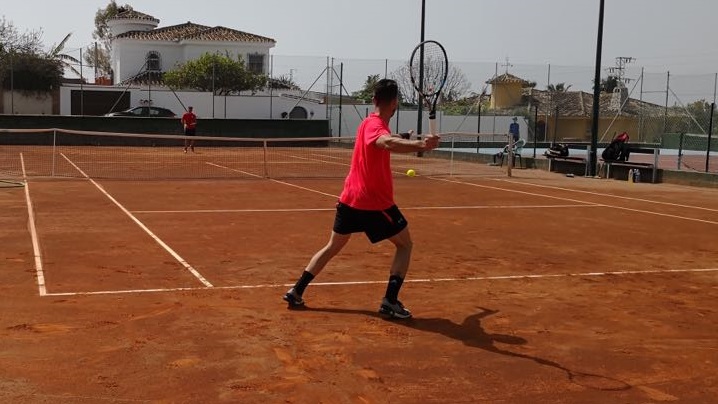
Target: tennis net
77,154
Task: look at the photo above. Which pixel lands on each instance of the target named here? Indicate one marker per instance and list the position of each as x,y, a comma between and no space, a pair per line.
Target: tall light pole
420,109
592,158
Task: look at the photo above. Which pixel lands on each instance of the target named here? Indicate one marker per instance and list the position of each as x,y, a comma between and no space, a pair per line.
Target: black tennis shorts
378,225
189,132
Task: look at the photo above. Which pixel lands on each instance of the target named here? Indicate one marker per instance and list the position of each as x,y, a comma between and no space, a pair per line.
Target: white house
140,48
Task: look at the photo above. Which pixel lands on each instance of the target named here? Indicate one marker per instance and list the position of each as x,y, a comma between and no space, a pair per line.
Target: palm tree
65,60
558,88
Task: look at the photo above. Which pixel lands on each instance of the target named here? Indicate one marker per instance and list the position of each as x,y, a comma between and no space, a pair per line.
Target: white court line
234,210
235,170
273,180
338,164
33,233
648,212
516,191
159,241
321,161
610,195
176,162
404,208
130,162
551,197
329,157
426,280
306,189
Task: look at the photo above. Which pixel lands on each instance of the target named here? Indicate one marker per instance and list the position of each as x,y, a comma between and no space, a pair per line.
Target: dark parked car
145,111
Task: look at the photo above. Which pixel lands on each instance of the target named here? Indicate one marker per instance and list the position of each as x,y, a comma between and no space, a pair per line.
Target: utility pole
619,71
420,109
95,63
592,157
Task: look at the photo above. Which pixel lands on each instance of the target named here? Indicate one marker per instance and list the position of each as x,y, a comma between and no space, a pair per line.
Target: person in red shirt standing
367,202
189,123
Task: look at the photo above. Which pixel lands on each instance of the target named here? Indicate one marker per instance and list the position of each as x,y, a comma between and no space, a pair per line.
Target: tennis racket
429,69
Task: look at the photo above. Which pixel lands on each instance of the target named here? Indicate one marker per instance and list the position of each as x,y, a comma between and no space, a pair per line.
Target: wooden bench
653,167
570,159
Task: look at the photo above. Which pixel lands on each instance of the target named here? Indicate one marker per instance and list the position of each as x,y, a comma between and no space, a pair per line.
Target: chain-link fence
553,103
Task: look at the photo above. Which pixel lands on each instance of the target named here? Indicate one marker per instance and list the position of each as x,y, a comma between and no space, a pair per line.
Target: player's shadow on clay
471,333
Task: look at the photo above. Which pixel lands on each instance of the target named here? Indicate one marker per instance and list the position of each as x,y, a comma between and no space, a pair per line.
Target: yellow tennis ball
410,173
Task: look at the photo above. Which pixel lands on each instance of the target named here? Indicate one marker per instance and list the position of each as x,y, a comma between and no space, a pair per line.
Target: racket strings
434,68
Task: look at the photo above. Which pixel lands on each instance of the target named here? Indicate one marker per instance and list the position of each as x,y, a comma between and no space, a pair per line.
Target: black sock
392,289
303,282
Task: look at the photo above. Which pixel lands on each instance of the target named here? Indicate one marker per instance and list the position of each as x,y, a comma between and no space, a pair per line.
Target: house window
256,63
153,61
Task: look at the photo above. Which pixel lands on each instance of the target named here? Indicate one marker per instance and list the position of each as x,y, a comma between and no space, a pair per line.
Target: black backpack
618,149
557,150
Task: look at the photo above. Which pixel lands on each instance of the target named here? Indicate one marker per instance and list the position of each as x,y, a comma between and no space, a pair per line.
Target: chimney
619,97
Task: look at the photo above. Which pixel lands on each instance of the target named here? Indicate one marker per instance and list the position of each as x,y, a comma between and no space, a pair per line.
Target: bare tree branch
456,83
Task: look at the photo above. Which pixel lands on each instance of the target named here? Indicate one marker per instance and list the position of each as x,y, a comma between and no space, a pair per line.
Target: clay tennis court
537,288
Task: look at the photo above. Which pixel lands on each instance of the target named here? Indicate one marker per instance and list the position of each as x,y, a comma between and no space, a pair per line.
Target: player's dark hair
385,90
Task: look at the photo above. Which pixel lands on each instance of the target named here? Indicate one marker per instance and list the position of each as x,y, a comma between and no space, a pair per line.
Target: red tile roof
509,78
580,104
192,31
227,34
134,15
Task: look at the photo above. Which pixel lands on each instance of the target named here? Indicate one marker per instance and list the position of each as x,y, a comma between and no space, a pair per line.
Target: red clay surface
115,328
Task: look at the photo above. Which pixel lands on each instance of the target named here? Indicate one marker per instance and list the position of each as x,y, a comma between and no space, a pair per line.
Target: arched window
153,61
298,113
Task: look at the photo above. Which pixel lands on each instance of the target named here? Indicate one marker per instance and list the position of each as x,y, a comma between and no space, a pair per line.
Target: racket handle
432,125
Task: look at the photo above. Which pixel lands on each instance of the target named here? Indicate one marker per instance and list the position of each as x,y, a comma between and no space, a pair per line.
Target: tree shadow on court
472,334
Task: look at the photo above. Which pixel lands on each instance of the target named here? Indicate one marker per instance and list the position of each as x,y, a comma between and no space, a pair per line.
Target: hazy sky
675,35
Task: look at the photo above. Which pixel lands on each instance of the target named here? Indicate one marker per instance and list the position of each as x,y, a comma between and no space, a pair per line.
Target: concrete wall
129,56
506,95
118,27
689,178
28,103
237,107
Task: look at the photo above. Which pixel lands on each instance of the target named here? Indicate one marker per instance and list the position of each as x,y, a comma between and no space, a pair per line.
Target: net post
451,160
535,130
266,170
54,151
710,135
680,150
478,127
510,155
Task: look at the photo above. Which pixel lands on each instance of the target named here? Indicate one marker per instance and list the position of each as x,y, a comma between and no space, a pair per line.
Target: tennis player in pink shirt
367,205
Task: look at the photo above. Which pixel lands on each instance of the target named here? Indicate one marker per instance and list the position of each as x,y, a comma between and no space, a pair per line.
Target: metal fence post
54,150
710,135
266,170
